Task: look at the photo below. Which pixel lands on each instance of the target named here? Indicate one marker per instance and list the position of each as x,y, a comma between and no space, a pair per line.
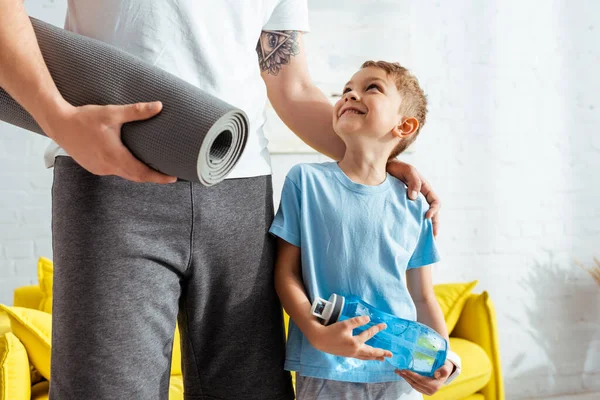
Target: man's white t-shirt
208,43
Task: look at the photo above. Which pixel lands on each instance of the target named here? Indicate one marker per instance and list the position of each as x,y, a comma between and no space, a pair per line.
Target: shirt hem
285,235
429,259
266,170
286,26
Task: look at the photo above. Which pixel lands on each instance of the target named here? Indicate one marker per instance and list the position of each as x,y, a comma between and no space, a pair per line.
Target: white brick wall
25,189
511,146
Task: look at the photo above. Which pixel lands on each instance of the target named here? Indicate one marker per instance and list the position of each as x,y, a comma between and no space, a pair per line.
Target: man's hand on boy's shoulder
337,339
416,183
424,384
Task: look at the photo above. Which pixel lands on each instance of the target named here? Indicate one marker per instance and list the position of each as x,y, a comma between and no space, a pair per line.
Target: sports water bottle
414,346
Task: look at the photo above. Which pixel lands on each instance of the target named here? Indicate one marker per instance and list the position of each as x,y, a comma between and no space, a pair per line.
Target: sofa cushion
4,323
27,296
176,388
33,328
40,390
475,374
15,383
45,278
452,298
475,396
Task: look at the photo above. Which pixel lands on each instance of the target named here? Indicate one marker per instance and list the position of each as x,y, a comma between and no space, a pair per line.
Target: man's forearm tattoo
276,48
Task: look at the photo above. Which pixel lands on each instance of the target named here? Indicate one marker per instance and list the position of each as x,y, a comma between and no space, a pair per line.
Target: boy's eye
372,85
346,90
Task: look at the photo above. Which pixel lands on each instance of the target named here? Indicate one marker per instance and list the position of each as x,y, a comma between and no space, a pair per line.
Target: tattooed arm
298,102
308,112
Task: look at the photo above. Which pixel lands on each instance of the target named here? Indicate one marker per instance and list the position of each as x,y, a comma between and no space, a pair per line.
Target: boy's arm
335,339
420,287
290,289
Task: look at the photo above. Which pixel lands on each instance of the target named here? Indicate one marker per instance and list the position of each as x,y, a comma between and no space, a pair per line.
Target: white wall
25,189
511,146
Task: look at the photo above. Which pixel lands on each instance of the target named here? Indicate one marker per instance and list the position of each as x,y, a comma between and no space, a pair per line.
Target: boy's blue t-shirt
354,239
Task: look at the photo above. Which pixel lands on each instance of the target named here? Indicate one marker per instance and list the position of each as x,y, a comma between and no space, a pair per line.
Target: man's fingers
431,197
407,174
130,167
434,207
435,221
135,170
140,111
427,190
414,182
369,333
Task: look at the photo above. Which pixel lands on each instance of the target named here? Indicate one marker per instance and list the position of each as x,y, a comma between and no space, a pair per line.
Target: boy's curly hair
414,101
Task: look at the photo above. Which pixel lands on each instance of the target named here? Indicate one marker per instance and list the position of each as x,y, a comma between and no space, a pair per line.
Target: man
133,248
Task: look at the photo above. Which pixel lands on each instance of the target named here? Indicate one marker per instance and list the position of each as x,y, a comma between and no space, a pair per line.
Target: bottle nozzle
328,311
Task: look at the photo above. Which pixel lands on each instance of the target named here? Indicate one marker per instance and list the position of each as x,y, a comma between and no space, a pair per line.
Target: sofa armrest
28,297
15,378
477,323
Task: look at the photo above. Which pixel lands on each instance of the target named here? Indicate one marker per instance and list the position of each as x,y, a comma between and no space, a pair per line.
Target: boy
339,233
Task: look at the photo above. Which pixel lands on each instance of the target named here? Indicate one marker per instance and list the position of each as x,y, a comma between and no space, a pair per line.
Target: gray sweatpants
131,258
309,388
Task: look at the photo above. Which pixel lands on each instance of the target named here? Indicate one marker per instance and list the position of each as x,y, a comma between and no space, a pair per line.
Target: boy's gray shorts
309,388
132,258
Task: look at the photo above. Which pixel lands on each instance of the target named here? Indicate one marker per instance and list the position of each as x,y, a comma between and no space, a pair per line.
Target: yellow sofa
24,344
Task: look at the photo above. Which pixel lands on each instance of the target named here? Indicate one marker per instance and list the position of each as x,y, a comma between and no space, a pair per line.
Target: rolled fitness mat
196,136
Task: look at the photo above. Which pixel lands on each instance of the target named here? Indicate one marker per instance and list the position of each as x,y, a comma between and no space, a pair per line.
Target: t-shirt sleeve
286,224
426,251
289,15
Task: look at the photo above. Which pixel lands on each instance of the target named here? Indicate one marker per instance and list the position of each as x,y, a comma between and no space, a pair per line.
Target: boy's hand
337,339
424,384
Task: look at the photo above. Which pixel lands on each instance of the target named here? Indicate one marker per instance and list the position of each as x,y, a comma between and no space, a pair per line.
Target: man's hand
416,183
424,384
337,339
92,136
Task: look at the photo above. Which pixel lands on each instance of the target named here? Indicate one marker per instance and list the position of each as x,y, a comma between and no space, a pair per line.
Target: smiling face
370,105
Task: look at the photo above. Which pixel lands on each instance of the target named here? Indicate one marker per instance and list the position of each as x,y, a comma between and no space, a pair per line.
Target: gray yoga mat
196,137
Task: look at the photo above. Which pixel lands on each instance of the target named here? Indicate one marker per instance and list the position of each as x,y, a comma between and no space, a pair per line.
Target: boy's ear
406,127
